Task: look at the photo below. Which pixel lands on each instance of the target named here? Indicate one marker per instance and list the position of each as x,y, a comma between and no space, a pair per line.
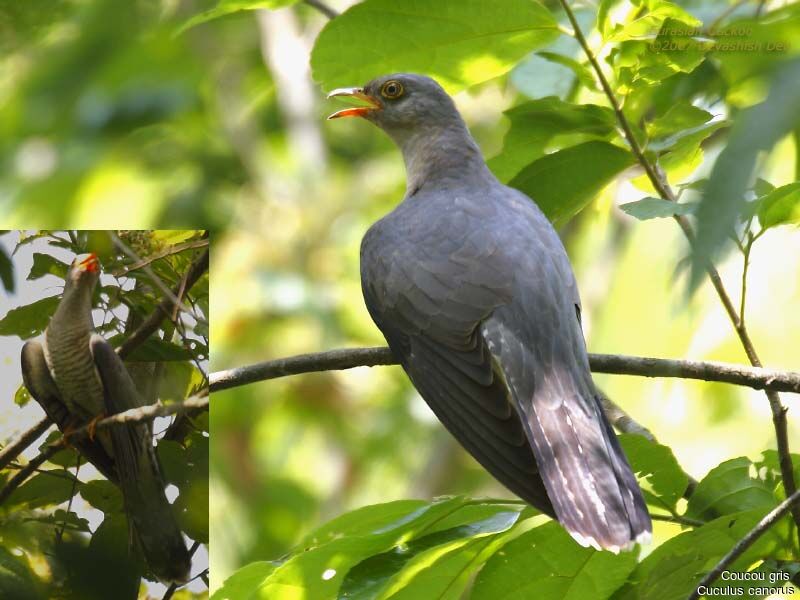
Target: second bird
473,290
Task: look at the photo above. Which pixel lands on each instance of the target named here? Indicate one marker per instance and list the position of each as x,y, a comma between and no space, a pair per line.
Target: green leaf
564,182
6,271
46,488
30,320
16,578
45,264
679,117
757,130
435,565
771,462
535,124
546,563
656,208
103,495
656,465
365,520
241,585
458,42
581,71
319,571
781,206
732,486
228,7
672,570
651,21
22,396
154,349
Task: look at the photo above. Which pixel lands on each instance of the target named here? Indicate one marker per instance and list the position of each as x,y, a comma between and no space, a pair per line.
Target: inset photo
104,426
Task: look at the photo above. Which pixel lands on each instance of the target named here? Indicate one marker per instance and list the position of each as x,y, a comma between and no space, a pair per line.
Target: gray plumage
474,292
76,376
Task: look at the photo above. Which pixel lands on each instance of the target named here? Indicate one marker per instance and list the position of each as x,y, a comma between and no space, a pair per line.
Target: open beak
91,263
356,111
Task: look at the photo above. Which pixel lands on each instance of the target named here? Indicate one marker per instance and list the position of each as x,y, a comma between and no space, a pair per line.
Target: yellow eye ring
392,89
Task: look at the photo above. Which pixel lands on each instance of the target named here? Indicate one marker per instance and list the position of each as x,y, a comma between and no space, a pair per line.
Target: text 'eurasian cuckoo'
473,290
76,376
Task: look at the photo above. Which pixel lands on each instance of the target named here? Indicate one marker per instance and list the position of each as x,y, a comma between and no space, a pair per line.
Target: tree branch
748,540
134,415
12,450
348,358
169,251
660,184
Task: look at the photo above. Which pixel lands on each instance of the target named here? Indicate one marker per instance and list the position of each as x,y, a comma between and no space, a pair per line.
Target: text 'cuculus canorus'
474,292
76,376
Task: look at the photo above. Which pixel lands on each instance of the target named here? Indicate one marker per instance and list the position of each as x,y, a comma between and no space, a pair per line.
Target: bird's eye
392,89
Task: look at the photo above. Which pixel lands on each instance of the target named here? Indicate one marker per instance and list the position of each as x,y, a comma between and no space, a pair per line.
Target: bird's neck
443,156
75,308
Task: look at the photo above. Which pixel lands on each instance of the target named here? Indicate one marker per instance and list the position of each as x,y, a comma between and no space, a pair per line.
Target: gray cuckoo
76,376
474,292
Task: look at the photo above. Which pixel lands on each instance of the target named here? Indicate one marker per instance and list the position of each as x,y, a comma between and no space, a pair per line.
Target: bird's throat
441,156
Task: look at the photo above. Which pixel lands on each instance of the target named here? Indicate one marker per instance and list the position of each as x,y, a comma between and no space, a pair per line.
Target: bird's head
401,104
84,272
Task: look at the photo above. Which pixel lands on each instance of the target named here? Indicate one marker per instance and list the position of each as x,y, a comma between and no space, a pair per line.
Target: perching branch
748,540
134,415
348,358
660,184
175,249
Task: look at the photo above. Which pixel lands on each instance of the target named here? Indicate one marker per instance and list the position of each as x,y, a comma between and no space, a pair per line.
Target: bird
77,378
474,292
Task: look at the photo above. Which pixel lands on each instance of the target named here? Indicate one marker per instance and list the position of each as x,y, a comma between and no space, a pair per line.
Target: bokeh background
109,118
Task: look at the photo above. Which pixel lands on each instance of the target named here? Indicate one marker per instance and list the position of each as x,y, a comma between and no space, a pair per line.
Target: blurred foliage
52,548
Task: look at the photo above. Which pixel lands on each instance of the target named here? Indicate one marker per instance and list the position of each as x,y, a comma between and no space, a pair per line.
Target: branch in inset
134,415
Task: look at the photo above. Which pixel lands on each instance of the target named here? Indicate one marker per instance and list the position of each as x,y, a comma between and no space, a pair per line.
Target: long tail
140,478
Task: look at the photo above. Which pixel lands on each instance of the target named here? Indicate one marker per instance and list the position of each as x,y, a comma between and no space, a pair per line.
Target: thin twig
155,279
134,415
660,184
163,310
12,450
323,8
748,540
169,251
680,520
348,358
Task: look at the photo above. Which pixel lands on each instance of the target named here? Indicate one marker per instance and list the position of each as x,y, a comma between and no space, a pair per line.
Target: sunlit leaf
459,43
547,563
656,208
657,468
781,206
228,7
730,487
535,124
564,182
